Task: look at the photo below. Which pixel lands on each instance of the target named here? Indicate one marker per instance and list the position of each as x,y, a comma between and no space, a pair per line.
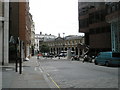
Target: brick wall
102,40
14,20
22,21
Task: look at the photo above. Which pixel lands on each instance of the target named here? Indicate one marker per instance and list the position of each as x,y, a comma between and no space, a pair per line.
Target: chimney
40,33
58,34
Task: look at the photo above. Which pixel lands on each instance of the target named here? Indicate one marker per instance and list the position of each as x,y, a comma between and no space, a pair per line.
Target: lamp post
63,44
17,45
20,59
14,43
63,35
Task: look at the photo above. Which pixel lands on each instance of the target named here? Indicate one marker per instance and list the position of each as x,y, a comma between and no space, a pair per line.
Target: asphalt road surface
75,74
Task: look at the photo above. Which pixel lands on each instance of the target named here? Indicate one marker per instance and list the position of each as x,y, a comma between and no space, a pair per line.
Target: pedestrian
39,55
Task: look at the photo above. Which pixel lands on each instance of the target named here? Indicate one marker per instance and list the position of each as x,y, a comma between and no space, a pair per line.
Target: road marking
35,68
54,82
42,70
50,77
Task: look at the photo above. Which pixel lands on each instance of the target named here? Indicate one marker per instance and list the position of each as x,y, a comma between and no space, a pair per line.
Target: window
99,30
92,31
113,8
73,42
109,10
119,5
92,7
91,18
115,54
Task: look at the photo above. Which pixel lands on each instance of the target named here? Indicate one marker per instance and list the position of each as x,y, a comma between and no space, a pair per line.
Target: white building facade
4,32
70,42
33,38
40,38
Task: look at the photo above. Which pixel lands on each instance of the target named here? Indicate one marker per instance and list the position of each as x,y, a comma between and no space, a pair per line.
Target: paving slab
30,77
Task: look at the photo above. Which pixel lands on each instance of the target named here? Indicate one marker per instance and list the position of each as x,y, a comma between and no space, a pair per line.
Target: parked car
62,55
108,58
75,57
48,55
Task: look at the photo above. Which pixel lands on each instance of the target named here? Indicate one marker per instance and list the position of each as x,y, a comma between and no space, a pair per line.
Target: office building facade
92,22
113,17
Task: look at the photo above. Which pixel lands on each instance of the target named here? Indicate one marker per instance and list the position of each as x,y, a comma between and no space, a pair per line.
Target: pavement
31,77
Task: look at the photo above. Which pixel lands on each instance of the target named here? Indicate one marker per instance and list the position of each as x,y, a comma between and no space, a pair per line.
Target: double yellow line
54,83
51,79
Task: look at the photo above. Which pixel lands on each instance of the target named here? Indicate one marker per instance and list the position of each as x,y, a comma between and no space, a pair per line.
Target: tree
44,49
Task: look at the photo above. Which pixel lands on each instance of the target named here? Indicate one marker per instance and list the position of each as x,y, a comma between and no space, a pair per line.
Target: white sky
55,16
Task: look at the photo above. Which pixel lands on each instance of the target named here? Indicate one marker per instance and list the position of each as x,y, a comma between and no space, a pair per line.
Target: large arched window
113,8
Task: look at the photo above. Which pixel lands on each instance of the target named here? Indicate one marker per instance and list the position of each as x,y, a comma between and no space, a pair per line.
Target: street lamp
63,44
17,47
14,44
63,35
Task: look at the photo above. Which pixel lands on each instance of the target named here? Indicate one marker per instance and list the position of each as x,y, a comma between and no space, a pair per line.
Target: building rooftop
70,37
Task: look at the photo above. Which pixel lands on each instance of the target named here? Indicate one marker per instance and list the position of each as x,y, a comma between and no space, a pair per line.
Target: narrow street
75,74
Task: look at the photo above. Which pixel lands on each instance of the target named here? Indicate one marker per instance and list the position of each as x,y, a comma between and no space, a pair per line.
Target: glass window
119,5
109,10
116,54
113,8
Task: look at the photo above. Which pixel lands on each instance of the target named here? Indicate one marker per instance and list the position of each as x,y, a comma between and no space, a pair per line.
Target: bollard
20,66
16,65
16,62
20,61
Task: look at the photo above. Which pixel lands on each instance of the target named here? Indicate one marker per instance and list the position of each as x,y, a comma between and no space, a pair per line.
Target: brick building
92,22
20,26
32,36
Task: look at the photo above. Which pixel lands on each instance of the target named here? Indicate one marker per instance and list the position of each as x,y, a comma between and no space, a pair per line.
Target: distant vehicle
75,57
108,58
62,55
48,55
